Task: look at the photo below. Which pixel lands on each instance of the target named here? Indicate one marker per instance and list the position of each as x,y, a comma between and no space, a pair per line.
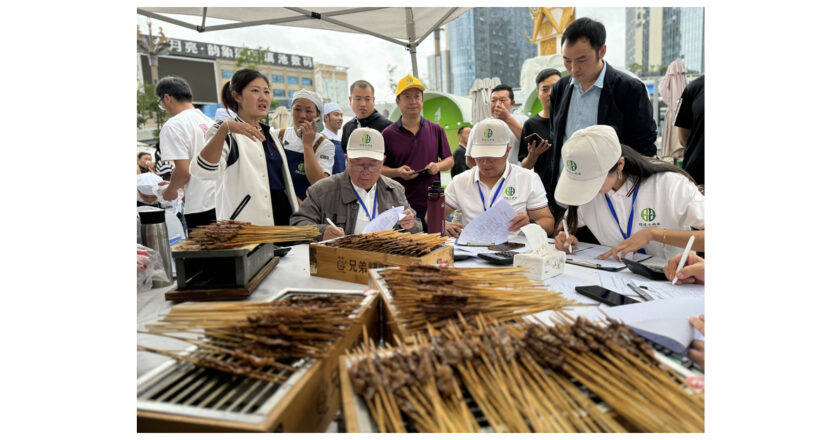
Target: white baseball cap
587,158
490,138
366,142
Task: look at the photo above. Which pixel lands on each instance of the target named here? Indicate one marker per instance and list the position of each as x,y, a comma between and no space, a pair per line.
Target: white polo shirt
522,189
182,137
665,200
513,141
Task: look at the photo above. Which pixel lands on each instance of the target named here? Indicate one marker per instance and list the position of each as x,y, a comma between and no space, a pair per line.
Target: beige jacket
334,198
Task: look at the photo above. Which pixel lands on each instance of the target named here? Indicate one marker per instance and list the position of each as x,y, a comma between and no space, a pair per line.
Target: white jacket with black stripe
242,171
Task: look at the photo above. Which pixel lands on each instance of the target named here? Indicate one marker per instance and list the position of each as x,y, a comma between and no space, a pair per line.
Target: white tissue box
541,267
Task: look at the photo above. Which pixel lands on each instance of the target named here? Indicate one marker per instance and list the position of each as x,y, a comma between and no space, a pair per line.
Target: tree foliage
147,108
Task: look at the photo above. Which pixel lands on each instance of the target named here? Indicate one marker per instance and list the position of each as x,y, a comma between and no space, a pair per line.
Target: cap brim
577,192
375,155
412,86
488,150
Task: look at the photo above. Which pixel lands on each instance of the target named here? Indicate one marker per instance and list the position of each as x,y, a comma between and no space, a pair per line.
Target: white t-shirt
522,189
182,137
513,141
325,151
665,200
369,198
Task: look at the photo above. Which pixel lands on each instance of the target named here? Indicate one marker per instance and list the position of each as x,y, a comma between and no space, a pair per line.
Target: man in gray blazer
354,198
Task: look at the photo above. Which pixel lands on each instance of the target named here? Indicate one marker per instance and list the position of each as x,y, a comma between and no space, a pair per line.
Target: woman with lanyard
256,185
624,199
310,154
494,179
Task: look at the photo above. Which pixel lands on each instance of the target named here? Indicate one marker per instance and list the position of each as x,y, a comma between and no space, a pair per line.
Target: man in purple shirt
416,149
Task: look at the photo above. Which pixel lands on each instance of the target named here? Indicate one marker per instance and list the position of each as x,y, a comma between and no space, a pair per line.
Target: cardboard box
352,265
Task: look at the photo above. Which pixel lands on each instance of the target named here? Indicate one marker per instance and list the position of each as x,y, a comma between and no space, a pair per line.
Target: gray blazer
333,198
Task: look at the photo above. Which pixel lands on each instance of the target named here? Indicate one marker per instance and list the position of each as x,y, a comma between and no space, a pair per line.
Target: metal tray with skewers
209,388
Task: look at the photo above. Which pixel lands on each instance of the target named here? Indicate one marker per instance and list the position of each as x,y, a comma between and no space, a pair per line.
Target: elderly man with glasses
353,198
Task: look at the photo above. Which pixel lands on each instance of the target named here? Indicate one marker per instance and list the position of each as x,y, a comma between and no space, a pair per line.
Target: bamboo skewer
226,234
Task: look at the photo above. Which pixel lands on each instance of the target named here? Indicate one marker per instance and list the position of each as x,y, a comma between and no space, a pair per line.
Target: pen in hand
566,229
683,258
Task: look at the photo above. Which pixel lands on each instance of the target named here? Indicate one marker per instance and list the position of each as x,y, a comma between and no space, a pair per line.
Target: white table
293,271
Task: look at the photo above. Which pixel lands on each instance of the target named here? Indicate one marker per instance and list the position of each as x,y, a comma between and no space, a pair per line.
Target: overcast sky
347,49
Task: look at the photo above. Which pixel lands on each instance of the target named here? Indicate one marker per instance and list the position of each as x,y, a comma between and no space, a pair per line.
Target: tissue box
541,267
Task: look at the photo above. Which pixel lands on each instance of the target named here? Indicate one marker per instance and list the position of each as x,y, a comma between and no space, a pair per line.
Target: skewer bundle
431,294
391,242
225,234
257,339
502,369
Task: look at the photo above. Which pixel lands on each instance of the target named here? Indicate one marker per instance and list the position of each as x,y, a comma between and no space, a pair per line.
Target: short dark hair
361,84
460,130
139,155
176,87
583,27
503,87
547,73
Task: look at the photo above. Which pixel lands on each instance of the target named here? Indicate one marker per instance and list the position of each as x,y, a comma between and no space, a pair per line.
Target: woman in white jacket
247,158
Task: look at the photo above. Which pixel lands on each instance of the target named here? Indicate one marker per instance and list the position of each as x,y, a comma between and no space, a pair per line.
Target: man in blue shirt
596,93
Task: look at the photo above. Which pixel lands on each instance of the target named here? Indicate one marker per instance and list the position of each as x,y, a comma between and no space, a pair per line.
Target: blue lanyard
501,185
629,220
363,203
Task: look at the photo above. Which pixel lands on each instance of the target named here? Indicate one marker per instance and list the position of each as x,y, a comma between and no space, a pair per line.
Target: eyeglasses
160,103
369,169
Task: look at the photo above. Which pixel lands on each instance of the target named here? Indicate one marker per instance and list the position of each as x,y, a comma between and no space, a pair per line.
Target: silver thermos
154,234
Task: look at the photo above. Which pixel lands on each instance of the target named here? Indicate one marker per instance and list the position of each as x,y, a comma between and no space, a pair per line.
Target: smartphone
507,246
533,137
605,296
648,272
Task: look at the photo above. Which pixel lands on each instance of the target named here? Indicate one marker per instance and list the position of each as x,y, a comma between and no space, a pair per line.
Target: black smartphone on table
648,272
605,296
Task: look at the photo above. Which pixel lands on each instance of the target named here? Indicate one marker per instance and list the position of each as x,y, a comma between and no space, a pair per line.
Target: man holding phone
536,133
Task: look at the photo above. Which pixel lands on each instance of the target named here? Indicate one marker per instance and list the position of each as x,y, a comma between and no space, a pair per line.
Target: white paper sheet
385,220
588,253
565,284
663,322
617,282
490,227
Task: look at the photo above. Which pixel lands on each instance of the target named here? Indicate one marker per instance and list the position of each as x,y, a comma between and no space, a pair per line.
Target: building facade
208,66
487,43
440,72
331,84
658,36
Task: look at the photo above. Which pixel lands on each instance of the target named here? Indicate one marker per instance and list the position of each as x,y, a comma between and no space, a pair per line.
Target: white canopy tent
407,27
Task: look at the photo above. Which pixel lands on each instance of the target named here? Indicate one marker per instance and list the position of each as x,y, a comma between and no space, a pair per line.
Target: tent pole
412,39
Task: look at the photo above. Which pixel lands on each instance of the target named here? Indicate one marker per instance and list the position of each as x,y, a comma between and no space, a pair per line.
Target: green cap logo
366,138
571,165
648,214
510,191
488,133
410,79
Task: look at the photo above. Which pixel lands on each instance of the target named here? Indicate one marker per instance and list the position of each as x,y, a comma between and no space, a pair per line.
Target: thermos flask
435,210
154,235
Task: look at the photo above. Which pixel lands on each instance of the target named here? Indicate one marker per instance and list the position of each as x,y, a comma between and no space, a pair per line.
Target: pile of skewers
260,340
432,294
391,242
502,369
226,234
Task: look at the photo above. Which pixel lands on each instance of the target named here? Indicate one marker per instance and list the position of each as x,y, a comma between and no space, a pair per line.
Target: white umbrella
671,88
480,93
